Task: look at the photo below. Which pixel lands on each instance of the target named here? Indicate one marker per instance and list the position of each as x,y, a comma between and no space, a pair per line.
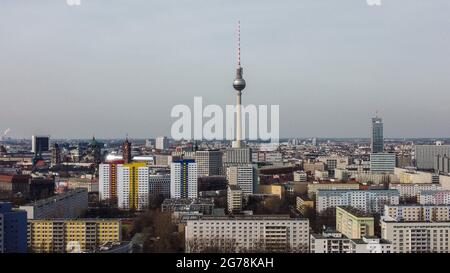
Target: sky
114,67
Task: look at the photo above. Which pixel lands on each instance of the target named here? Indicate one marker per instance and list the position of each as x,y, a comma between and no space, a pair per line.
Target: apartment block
74,235
418,213
436,197
70,204
354,223
369,201
275,233
416,237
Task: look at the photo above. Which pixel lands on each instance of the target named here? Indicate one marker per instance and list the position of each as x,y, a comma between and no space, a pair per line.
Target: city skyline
122,74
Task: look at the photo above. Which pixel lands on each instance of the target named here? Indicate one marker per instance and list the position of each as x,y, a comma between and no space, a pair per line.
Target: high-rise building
235,157
133,186
13,229
208,162
426,155
107,180
162,143
183,179
382,163
377,140
243,176
126,150
40,144
159,185
72,235
234,199
56,154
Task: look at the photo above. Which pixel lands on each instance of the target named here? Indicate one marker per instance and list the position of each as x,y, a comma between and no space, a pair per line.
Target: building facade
70,204
234,199
369,201
377,139
275,233
416,237
243,176
426,154
418,213
412,190
208,162
382,163
13,229
107,180
437,197
353,223
73,236
183,179
133,186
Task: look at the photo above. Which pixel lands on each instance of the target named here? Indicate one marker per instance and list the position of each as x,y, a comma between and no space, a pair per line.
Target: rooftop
355,212
56,198
187,201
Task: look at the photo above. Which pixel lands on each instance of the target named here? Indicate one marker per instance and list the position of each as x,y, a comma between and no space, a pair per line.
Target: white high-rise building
243,176
133,186
162,143
183,179
107,180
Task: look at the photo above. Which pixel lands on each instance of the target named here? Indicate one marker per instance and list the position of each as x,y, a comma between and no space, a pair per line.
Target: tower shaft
238,142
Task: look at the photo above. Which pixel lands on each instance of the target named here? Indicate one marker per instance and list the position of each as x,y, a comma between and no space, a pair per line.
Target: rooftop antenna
239,44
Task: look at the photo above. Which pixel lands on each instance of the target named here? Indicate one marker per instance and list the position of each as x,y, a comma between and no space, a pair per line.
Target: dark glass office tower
377,141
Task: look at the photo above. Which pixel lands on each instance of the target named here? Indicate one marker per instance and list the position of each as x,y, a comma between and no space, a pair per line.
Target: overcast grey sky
111,67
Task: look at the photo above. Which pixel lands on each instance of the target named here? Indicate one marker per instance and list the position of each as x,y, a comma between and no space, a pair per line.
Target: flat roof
355,212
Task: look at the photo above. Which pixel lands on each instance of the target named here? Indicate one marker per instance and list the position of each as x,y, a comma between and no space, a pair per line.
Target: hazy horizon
111,68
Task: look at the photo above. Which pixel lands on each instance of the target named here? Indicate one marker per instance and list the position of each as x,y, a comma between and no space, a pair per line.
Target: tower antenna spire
239,44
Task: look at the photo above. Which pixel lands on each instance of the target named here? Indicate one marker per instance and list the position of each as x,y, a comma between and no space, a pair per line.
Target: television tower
239,85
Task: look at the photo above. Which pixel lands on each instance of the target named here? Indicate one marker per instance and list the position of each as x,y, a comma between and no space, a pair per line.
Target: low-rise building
370,245
330,241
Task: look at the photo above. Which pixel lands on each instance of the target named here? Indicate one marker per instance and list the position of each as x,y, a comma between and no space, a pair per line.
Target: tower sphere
239,84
